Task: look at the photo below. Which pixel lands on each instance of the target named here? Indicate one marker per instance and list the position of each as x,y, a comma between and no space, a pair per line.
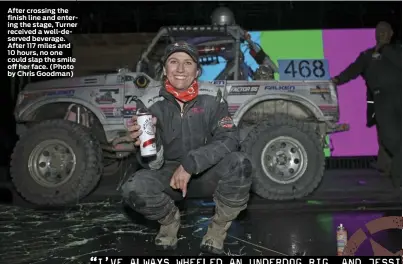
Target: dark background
150,16
119,17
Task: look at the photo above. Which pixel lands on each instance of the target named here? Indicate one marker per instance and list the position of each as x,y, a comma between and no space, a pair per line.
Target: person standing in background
383,161
381,68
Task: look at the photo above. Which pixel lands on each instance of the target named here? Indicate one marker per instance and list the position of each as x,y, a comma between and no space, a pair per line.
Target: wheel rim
52,163
284,160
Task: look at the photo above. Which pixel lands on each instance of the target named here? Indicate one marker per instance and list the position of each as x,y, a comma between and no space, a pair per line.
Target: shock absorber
258,54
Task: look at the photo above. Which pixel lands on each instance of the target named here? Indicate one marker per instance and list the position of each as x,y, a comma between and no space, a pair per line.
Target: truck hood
75,82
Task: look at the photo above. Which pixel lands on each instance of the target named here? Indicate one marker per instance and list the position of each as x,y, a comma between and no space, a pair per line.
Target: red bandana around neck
186,95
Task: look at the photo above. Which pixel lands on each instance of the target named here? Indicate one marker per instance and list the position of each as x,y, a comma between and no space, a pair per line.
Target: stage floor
101,226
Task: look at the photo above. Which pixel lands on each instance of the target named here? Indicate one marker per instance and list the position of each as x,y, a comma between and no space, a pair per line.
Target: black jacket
200,138
378,74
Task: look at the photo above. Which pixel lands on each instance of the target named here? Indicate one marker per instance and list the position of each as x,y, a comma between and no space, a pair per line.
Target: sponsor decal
128,112
218,82
244,90
60,93
35,95
328,107
112,112
226,122
206,90
106,96
319,90
282,88
233,108
329,110
130,99
112,91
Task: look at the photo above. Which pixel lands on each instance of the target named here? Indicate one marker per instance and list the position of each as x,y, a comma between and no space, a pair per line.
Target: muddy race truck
69,128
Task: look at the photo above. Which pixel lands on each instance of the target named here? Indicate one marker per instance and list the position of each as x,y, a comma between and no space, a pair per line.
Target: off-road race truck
68,128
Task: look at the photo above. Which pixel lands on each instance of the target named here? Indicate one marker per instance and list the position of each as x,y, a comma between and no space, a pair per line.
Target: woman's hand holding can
135,130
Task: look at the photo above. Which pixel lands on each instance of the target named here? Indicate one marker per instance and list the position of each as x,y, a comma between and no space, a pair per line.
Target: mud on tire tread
88,169
265,187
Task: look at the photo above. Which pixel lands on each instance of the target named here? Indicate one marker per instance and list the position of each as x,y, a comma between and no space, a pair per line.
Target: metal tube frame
235,31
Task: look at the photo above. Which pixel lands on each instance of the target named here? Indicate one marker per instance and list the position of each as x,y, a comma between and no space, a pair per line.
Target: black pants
384,160
148,191
388,114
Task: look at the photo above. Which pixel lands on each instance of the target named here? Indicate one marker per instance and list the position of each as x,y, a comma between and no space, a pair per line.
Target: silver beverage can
148,145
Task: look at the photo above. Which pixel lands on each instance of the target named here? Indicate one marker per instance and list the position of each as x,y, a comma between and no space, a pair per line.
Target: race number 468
303,70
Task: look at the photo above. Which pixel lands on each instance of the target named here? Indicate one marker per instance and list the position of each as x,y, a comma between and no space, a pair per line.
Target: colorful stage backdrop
340,48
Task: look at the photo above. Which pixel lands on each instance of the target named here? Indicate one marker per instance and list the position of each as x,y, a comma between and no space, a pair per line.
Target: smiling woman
180,70
181,65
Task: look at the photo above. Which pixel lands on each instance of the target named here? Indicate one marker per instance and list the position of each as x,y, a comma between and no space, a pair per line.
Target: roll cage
212,41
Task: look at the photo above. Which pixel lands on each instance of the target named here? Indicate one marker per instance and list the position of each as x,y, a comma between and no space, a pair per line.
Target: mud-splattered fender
248,104
33,106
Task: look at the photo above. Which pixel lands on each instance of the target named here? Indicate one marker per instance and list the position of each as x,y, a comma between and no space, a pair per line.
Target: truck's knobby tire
87,172
285,126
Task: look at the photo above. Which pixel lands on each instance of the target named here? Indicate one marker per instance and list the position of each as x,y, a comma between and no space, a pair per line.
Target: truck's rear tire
57,162
287,157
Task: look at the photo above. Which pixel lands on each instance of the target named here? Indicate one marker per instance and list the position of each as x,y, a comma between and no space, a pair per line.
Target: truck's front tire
287,157
56,162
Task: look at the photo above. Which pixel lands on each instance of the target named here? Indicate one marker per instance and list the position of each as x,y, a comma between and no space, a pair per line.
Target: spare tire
287,157
57,162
